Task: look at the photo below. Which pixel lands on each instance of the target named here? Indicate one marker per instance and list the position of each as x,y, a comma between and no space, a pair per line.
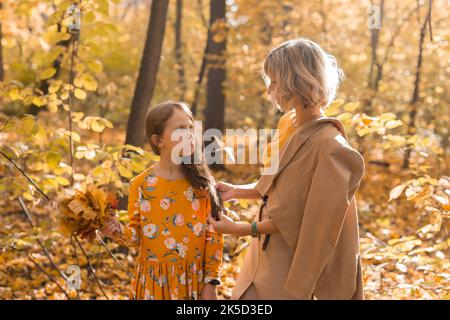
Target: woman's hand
208,292
230,191
227,190
110,228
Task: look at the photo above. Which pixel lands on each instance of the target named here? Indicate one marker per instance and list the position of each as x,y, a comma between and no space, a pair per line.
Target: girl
179,253
305,239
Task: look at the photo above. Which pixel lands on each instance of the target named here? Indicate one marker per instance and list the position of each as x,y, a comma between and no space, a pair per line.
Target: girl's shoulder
140,178
149,177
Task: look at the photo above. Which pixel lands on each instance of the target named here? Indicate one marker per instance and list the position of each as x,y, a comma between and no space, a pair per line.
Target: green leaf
62,181
78,82
334,107
80,94
97,125
39,101
124,171
351,106
54,87
14,94
50,183
95,66
53,159
48,73
53,107
103,6
344,116
362,132
27,124
90,83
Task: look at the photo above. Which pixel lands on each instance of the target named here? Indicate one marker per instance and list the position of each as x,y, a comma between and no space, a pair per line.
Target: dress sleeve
334,183
130,234
213,252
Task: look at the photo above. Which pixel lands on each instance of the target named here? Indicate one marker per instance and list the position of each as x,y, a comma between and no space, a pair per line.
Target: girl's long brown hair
196,172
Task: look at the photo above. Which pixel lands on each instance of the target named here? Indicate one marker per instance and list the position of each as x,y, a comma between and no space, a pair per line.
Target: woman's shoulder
334,148
331,137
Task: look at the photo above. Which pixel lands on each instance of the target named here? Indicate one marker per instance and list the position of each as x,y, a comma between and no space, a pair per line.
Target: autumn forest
78,76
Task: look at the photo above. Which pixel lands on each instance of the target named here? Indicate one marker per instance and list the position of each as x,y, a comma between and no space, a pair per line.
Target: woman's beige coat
311,200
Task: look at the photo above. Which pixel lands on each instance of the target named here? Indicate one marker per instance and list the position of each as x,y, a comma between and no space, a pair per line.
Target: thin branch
6,122
91,268
395,35
415,94
22,203
112,255
25,175
178,49
75,251
49,276
71,81
46,252
69,111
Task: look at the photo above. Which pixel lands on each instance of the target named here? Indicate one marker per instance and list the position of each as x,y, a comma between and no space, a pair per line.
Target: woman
305,241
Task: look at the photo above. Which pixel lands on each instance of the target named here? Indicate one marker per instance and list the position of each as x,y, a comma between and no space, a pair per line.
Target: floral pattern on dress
178,250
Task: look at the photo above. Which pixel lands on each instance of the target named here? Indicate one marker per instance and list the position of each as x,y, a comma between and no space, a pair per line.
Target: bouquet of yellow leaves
85,212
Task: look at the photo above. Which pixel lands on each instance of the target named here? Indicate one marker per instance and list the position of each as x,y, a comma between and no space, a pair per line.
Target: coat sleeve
334,183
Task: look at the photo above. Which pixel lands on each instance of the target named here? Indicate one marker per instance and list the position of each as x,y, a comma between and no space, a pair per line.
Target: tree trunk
148,70
178,50
375,70
1,50
415,94
372,88
215,97
198,82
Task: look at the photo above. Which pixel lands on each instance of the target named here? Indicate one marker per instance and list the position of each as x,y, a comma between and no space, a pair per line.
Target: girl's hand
110,227
227,190
208,292
224,225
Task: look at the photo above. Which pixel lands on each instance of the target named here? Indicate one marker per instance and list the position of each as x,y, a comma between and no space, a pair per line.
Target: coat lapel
294,144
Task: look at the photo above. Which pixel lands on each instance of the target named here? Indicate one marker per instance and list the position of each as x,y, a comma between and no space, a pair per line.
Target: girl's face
179,131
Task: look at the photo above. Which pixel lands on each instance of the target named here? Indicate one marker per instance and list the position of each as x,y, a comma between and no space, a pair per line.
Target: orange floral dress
179,250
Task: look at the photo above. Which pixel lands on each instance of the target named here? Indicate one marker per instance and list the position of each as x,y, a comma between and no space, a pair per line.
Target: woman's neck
304,115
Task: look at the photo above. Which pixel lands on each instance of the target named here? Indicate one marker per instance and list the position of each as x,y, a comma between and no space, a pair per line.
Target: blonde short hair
305,74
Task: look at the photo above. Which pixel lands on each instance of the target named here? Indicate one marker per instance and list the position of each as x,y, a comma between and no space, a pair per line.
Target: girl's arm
243,191
227,226
128,235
